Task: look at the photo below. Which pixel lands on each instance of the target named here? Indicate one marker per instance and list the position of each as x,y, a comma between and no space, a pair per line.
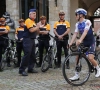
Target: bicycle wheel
54,62
46,63
98,57
83,69
37,58
3,61
15,59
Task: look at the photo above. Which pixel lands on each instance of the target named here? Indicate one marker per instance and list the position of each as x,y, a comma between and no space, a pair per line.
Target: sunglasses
21,22
61,14
2,21
42,19
76,14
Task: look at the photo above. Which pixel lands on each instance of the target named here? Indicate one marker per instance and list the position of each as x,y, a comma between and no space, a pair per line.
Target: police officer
61,30
4,29
44,37
29,44
19,37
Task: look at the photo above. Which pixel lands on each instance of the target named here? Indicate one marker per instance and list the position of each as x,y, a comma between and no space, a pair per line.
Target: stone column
62,5
52,14
66,9
12,7
74,6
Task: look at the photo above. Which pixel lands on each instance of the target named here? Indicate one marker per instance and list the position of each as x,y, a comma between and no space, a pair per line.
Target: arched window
97,12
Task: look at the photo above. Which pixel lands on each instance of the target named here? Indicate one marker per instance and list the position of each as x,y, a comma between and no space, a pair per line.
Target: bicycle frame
11,49
82,52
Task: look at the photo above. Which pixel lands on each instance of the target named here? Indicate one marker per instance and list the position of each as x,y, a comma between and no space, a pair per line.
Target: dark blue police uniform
19,46
28,59
3,42
61,28
43,42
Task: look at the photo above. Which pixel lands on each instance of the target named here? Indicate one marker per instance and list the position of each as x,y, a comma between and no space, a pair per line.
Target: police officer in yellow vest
19,37
4,29
29,44
61,31
44,37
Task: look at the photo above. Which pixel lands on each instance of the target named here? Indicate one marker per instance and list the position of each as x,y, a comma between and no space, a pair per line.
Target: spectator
19,37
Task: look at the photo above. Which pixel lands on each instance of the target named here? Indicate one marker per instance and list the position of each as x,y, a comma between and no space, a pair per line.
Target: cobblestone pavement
50,80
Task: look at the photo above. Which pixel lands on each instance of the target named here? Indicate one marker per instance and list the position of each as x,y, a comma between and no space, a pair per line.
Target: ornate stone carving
10,22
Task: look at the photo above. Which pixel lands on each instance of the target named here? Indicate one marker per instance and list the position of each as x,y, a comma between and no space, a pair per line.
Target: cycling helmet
6,15
21,20
81,11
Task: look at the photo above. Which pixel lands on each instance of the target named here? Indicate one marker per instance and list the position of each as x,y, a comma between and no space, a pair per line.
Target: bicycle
37,54
9,53
50,58
97,56
83,66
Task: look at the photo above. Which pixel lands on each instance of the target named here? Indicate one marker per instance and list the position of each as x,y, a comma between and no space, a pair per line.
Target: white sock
76,73
97,67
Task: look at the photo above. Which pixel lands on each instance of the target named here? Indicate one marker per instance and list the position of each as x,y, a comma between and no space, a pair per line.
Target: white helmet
81,11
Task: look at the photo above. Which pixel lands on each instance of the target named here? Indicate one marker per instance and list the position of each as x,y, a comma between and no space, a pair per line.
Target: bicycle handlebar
55,38
74,48
12,40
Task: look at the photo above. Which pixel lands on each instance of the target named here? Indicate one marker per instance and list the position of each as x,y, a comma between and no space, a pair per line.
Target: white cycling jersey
87,25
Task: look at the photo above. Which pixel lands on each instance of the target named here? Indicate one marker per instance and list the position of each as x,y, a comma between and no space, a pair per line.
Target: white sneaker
98,73
76,77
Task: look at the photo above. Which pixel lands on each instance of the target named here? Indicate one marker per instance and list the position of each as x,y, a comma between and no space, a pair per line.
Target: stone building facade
55,6
12,7
50,8
97,26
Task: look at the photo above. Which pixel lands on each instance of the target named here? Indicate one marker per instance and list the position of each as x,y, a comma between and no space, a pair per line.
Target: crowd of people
27,31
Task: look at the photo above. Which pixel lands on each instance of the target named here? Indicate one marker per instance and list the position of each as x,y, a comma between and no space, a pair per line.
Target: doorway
2,7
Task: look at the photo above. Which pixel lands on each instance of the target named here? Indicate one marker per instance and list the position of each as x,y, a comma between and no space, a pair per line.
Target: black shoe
38,65
23,73
67,65
8,65
32,71
18,65
50,65
58,66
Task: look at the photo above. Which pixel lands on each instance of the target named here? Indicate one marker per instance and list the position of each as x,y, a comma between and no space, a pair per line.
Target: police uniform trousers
43,43
19,49
61,44
28,59
3,46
